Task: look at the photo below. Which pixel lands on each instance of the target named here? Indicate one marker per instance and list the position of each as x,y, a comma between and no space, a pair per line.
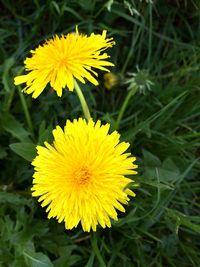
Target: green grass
162,224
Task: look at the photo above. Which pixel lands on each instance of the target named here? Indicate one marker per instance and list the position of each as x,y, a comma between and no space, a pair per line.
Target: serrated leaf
10,198
25,150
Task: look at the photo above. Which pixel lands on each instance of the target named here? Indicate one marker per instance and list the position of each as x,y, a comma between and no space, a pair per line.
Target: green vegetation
156,56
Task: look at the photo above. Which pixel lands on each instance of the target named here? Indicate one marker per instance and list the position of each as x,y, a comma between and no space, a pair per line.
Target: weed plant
158,52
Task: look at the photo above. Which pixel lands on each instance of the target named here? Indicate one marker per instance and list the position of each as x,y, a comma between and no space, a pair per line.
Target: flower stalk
83,102
124,106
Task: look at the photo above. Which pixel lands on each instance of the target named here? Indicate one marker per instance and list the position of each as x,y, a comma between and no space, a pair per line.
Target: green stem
82,101
25,108
124,106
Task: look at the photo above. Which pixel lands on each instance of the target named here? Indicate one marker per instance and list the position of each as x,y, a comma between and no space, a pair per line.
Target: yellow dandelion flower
80,177
61,59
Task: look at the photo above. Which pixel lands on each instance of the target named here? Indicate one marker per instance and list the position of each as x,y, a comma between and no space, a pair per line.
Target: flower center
82,176
62,62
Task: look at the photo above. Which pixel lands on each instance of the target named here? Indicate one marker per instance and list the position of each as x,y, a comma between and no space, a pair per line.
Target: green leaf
170,244
169,171
185,220
6,79
56,6
13,199
150,159
37,259
25,150
45,134
14,127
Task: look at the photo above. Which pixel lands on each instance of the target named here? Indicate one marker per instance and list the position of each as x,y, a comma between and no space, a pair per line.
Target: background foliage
158,43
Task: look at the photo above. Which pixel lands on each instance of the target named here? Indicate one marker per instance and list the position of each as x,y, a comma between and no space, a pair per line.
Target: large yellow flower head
80,177
61,59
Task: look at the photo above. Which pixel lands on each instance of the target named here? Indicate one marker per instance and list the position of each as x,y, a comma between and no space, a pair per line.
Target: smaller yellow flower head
81,176
61,59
